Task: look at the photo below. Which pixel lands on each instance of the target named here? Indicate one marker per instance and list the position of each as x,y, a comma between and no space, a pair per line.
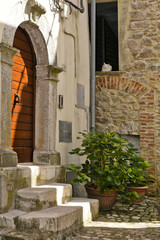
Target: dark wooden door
23,82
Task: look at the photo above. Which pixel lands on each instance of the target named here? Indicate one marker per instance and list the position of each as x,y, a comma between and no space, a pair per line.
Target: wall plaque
80,96
65,131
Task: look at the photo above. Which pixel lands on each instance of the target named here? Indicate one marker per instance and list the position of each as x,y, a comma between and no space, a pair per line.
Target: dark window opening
106,35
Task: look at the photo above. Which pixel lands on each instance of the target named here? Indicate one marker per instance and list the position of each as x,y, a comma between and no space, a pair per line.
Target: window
106,35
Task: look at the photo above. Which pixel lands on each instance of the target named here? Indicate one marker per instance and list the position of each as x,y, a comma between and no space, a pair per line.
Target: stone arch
122,102
46,95
121,83
38,42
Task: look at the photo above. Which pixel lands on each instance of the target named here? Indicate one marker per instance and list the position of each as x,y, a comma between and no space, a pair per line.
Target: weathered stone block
140,24
147,53
44,174
90,208
129,127
132,45
46,157
112,128
12,179
55,219
137,35
8,158
137,15
130,99
7,220
139,5
42,197
147,41
157,46
140,65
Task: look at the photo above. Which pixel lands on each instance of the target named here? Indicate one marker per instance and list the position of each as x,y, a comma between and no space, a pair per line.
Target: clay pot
141,192
106,200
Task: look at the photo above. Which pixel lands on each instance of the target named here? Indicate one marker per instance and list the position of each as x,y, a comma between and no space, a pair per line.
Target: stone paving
125,222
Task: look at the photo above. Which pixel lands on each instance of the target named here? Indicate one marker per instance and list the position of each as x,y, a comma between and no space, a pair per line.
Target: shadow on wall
78,188
133,139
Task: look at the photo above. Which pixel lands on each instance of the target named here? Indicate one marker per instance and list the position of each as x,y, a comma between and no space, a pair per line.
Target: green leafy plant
139,175
111,163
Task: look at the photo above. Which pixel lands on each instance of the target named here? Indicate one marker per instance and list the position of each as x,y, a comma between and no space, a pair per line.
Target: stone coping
109,73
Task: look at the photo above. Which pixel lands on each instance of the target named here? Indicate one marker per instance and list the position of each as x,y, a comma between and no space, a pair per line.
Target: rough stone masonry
128,101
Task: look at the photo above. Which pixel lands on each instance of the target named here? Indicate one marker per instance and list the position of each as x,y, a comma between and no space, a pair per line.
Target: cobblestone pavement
124,222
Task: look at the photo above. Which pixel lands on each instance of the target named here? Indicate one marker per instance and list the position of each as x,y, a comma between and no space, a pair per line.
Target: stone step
23,176
8,234
42,197
52,223
43,174
90,208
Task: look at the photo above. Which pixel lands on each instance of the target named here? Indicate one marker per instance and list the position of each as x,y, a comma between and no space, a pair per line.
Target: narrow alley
124,222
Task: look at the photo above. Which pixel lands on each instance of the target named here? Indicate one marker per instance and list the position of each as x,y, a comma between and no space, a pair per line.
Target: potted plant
112,167
139,178
105,171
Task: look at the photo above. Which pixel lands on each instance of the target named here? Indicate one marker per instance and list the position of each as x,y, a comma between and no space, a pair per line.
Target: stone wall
139,34
129,107
116,108
128,101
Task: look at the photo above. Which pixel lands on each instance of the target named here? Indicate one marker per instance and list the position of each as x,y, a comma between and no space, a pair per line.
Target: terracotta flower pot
106,200
141,192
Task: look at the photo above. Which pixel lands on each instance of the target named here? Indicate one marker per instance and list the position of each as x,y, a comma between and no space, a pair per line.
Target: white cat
106,67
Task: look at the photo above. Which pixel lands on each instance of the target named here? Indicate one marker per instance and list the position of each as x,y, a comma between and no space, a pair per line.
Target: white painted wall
67,41
73,52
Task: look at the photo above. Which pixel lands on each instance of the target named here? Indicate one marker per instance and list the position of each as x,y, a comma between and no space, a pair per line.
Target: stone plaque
65,131
80,96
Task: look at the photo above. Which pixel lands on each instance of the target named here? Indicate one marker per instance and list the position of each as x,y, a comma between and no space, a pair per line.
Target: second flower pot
141,192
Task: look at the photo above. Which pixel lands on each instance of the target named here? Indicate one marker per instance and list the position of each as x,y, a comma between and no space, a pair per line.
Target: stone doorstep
42,197
43,174
58,219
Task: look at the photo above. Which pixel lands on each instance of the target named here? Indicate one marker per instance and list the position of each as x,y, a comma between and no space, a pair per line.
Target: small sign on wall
65,131
61,101
80,96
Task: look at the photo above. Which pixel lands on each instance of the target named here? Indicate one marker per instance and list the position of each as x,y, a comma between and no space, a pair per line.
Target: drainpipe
92,67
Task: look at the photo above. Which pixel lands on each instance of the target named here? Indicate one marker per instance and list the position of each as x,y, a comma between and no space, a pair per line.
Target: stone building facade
57,36
128,101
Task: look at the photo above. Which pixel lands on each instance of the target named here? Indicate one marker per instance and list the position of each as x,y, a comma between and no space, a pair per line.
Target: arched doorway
44,137
23,89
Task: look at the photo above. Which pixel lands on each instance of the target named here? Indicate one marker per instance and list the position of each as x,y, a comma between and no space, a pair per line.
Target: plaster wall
67,41
73,55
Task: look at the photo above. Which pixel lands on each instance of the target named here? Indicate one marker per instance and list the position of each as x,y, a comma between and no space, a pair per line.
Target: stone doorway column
8,158
46,115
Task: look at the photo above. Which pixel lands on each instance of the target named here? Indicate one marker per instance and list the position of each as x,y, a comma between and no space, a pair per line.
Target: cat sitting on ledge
106,67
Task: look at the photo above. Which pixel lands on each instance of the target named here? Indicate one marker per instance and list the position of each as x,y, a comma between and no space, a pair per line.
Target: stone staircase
46,212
